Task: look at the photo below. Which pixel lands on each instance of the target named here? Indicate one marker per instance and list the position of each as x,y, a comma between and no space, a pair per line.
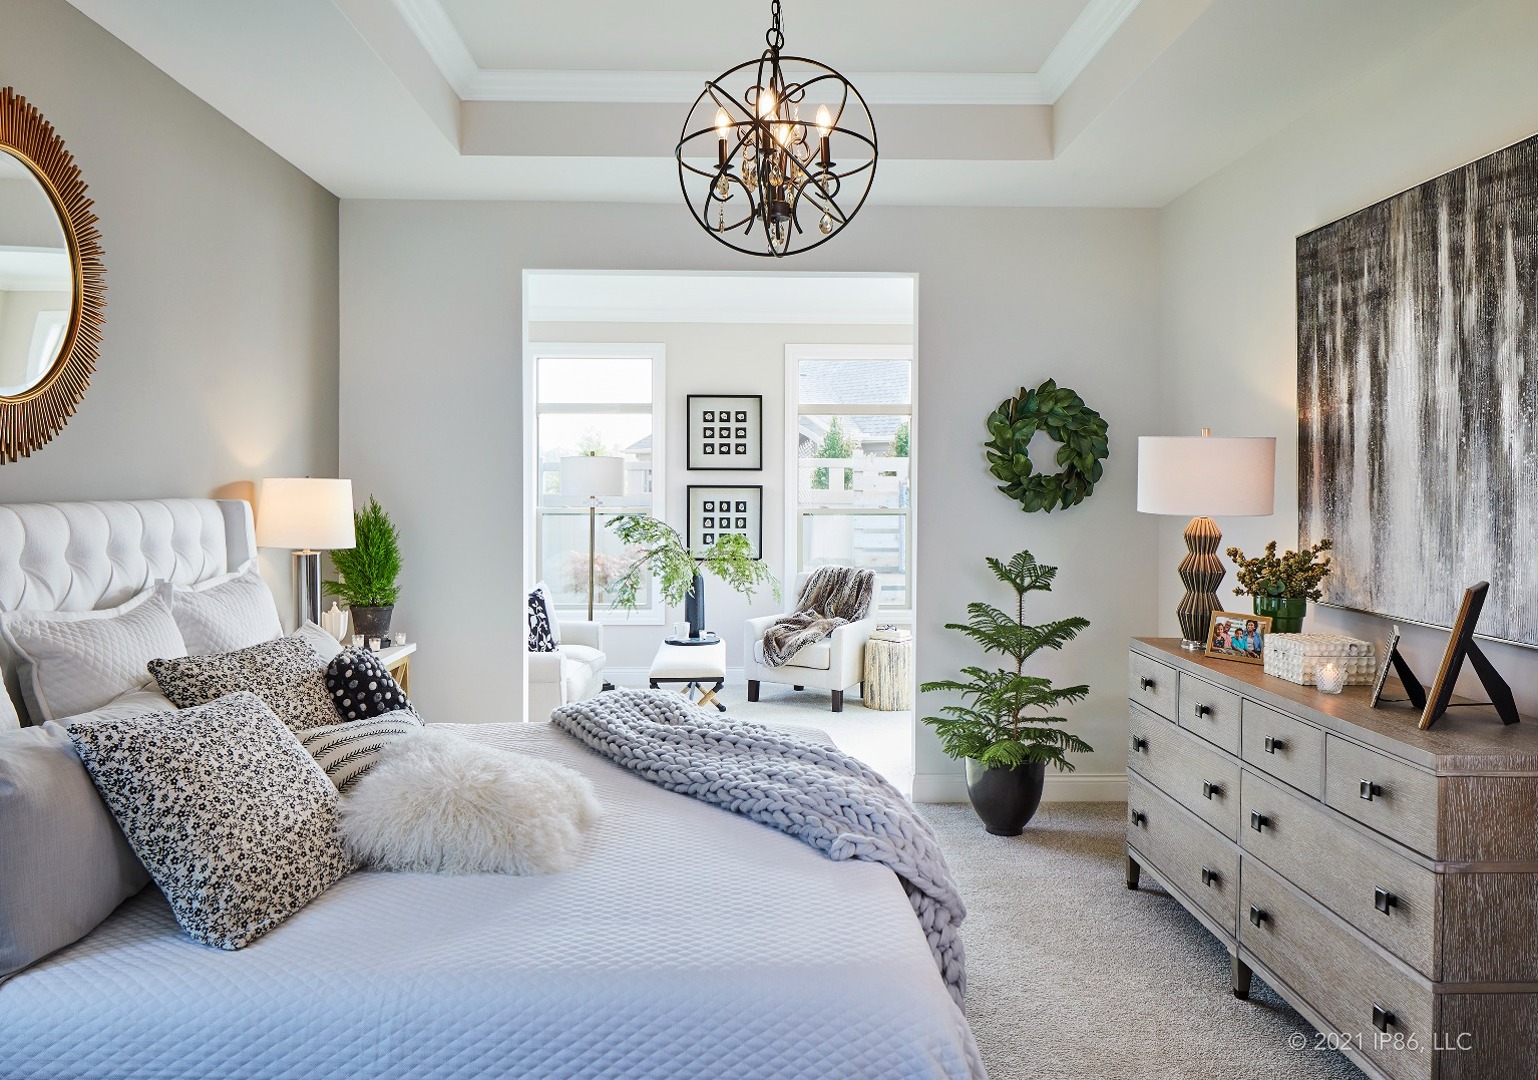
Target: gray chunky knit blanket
818,794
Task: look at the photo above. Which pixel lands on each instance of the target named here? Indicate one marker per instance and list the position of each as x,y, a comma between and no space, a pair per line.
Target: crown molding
431,26
681,87
1081,44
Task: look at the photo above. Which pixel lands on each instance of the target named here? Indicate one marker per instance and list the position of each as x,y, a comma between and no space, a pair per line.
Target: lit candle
723,124
1329,677
824,125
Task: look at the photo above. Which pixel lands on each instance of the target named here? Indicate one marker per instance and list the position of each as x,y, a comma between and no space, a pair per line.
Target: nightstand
397,661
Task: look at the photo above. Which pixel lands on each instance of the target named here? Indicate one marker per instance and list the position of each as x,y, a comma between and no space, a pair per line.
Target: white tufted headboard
78,556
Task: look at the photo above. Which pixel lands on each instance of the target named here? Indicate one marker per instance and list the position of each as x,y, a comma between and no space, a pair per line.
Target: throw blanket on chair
818,794
831,597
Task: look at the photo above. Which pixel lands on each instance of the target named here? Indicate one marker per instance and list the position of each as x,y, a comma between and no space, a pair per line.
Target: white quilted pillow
8,717
76,661
226,613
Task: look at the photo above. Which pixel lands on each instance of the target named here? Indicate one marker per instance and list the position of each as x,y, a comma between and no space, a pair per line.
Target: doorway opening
776,405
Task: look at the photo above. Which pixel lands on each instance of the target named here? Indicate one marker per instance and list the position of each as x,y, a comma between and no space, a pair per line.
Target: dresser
1382,879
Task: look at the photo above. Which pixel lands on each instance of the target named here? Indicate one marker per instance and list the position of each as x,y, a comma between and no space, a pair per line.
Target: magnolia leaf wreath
1062,414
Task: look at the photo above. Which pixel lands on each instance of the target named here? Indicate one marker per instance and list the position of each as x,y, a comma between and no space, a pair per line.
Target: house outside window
851,472
604,399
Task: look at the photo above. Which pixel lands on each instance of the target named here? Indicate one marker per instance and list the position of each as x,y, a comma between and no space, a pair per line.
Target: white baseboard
1074,787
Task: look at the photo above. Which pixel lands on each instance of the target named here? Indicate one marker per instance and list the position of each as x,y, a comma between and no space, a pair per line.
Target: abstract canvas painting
1418,397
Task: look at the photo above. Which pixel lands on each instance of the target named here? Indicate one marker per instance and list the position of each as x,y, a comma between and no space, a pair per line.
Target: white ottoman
694,666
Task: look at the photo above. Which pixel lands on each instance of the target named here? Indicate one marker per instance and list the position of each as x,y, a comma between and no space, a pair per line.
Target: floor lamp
592,477
310,516
1201,477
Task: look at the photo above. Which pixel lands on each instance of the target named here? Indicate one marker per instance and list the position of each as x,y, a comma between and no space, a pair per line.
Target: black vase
694,607
372,621
1005,799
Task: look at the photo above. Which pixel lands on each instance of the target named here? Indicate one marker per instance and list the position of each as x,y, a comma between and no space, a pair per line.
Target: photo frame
1461,647
724,508
726,432
1238,635
1392,660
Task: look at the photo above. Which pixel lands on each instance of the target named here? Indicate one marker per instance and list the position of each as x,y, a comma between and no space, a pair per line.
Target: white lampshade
304,513
1202,476
590,475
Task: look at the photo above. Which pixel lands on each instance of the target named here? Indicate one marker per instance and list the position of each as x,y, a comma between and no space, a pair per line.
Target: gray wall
1229,323
431,414
219,358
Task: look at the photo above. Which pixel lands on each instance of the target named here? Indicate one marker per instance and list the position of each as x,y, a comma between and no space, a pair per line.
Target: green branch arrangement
1294,575
997,722
663,552
370,570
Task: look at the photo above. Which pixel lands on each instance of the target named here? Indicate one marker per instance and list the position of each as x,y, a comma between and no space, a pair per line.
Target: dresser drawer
1283,746
1186,769
1152,685
1192,857
1210,712
1382,894
1346,980
1396,799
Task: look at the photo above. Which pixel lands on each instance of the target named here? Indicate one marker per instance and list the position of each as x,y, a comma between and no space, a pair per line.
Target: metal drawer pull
1203,710
1139,744
1382,1019
1369,790
1210,877
1148,684
1140,819
1258,821
1384,901
1273,745
1257,916
1210,790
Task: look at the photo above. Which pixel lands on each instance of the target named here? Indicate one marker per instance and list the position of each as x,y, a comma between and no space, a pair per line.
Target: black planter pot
372,621
1005,799
694,607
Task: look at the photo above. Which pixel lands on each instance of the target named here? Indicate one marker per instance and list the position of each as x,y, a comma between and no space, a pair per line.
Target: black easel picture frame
1461,646
725,432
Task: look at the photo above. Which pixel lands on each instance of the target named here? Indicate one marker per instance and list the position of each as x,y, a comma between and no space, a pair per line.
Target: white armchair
835,663
573,672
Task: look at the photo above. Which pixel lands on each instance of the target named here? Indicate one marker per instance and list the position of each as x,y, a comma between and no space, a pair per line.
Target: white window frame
794,410
654,351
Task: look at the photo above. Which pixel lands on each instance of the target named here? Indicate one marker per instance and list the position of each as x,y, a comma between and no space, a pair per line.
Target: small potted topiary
369,572
1283,586
996,729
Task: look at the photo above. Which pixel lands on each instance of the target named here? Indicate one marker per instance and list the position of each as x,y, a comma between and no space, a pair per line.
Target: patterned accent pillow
288,674
234,821
360,687
347,751
541,635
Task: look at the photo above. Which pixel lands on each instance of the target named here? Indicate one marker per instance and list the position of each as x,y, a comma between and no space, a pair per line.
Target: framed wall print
1236,635
726,431
722,509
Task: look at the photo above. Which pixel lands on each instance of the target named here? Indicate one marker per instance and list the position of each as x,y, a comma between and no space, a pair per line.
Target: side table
397,661
888,675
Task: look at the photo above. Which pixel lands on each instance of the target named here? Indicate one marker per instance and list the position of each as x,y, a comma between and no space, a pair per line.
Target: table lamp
310,516
1203,477
592,477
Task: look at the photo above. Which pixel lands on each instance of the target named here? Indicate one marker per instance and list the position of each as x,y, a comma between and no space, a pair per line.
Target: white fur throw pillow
439,803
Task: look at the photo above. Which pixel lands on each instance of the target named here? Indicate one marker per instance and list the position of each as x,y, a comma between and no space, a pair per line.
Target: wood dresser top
1464,741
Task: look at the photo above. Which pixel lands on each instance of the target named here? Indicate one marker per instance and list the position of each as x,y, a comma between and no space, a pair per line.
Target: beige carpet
1071,975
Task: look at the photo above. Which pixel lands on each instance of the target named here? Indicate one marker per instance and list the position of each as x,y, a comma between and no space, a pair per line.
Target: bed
689,942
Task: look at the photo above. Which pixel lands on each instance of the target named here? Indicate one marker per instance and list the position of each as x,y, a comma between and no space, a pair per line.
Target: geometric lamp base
1201,571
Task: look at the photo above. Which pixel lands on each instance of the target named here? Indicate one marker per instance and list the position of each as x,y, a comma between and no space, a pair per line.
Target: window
852,462
604,399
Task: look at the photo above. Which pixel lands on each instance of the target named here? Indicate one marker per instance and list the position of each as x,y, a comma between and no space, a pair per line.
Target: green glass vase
1286,612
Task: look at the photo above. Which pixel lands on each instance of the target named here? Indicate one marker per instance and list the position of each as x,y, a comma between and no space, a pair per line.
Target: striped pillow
347,751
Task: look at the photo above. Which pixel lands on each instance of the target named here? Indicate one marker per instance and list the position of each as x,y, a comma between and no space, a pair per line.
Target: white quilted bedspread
690,943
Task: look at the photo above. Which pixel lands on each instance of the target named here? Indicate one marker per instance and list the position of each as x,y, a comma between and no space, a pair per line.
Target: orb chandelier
757,167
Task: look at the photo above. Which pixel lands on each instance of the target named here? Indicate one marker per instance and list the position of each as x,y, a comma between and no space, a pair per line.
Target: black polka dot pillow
361,688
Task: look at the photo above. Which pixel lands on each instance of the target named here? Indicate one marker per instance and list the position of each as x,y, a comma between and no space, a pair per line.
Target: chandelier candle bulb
723,125
824,124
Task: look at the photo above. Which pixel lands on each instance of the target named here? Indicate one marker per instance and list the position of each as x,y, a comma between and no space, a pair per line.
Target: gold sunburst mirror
51,281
